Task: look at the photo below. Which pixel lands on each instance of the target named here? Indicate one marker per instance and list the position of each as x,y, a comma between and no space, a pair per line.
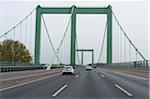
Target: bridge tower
73,11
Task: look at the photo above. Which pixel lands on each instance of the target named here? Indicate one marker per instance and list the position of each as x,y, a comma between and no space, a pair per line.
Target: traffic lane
40,89
89,85
138,90
140,80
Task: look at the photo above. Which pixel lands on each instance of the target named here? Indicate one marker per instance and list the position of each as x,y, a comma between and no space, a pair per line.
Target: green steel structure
76,10
82,53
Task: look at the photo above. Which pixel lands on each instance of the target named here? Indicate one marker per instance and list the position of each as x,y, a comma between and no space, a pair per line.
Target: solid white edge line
131,76
125,74
24,76
123,90
76,76
102,76
58,91
18,85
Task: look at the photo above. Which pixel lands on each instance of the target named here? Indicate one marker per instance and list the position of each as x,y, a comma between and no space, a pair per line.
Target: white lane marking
102,76
123,90
76,76
18,85
131,75
125,74
58,91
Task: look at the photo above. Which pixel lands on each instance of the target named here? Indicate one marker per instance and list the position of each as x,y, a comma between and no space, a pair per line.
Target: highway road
94,84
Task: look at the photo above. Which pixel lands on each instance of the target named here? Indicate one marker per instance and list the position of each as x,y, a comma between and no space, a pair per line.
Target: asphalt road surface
85,84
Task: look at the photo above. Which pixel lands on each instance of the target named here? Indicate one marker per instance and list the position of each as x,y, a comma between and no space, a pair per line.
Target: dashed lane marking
123,90
102,76
58,91
19,85
76,76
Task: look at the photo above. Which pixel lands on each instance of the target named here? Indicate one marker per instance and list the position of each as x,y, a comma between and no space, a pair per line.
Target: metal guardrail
9,67
18,68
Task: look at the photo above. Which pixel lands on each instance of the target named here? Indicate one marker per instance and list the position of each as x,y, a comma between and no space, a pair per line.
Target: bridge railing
133,64
16,66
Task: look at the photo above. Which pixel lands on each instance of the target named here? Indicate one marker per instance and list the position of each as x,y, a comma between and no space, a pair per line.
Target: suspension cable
49,38
129,51
30,31
136,55
124,48
77,52
58,48
116,42
65,33
118,35
61,53
63,37
17,24
78,57
121,52
127,36
26,30
20,32
14,32
102,43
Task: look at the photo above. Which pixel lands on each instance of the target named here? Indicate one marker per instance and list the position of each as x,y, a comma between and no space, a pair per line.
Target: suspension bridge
116,50
123,43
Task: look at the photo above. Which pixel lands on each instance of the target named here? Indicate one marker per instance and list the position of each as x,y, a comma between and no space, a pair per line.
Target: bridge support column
82,57
92,58
37,36
109,35
73,36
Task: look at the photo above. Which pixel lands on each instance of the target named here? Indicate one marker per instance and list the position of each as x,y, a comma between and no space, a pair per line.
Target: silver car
88,68
68,70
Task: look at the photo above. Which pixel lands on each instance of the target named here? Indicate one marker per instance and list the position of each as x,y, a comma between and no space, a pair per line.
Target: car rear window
67,67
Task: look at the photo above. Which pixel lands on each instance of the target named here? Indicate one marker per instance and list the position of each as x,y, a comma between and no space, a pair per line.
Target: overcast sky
132,15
